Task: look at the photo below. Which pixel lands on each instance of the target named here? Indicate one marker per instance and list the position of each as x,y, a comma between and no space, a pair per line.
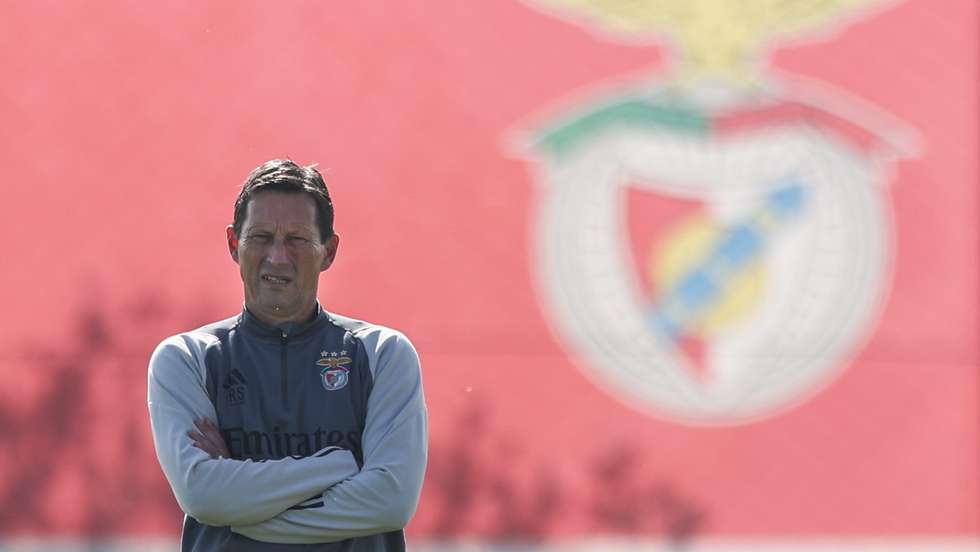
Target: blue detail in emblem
740,245
696,289
787,200
334,378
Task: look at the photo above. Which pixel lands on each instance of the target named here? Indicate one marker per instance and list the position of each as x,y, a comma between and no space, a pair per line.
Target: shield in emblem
712,263
334,378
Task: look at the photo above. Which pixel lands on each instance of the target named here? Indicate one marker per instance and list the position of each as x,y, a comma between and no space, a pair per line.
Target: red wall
128,126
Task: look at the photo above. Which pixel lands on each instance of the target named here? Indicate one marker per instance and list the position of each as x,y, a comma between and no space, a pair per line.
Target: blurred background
689,275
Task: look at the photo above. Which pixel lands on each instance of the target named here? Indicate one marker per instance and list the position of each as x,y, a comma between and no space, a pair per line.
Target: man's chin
273,306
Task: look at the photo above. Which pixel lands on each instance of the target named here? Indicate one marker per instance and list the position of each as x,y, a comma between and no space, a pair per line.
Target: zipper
285,370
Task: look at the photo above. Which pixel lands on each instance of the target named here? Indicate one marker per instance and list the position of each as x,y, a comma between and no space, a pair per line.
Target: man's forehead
278,208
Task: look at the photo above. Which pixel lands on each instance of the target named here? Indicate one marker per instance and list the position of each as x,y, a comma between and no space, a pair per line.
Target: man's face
280,256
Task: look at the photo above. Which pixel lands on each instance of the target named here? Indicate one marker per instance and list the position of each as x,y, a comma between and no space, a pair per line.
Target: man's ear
232,242
331,251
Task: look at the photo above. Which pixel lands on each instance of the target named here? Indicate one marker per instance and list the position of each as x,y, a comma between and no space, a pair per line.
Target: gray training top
325,423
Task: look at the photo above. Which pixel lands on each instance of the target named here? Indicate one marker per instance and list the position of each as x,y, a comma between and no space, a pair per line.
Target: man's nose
277,253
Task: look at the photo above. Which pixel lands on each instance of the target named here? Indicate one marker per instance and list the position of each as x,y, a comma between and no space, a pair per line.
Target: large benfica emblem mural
713,245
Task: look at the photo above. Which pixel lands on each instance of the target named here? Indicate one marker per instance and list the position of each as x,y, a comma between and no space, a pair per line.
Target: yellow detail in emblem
688,248
717,39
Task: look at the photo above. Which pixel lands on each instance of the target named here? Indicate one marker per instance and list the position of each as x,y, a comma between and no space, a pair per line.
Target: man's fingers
210,438
213,437
208,428
203,433
205,441
202,426
200,441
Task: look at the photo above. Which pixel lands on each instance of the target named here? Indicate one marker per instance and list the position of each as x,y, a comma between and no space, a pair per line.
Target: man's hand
209,439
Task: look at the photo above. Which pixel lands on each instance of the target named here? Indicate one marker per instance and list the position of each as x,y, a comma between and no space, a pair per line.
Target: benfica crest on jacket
334,373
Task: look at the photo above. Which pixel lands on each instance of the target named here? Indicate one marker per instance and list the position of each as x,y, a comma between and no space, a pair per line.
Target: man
288,427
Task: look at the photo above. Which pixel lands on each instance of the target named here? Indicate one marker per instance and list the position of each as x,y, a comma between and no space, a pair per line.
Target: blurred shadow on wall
79,458
488,495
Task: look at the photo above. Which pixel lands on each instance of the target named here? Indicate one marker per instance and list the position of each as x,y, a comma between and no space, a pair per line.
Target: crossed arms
254,498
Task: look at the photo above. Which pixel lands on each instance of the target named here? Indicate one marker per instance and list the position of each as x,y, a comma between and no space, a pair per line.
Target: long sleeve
223,492
384,495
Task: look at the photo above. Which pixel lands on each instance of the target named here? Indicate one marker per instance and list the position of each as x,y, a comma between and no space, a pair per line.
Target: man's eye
262,238
297,239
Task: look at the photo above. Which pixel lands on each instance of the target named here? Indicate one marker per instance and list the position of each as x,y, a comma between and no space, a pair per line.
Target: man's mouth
276,280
